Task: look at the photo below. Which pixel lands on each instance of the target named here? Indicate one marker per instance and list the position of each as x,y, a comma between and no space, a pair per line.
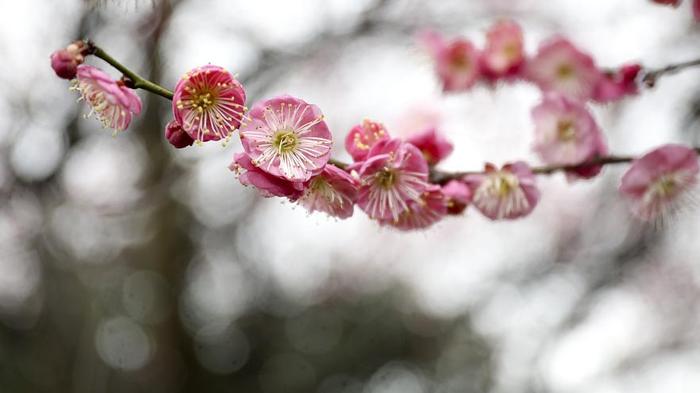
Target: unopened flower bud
65,61
177,136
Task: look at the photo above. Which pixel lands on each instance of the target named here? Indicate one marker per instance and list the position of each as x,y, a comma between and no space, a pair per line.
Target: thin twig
651,77
440,177
134,81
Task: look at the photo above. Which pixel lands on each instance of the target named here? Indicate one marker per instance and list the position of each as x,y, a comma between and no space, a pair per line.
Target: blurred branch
440,177
651,77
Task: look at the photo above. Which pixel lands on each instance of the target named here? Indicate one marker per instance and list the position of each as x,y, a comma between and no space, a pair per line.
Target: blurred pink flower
696,9
209,103
422,213
431,41
268,185
504,54
362,137
177,136
394,173
508,193
333,191
287,138
658,180
457,61
417,117
565,131
434,146
674,3
559,66
112,103
618,84
458,195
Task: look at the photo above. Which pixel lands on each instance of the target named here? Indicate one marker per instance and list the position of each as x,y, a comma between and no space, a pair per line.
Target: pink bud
64,64
363,137
617,84
458,195
434,146
177,136
65,61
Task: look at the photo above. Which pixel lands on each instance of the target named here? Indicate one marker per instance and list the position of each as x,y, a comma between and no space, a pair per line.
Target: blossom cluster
286,142
286,154
558,66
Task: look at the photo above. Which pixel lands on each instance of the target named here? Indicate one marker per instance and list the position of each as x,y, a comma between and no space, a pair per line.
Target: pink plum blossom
287,138
458,195
434,146
559,66
112,103
177,136
209,103
362,137
333,191
394,174
565,131
506,193
504,54
429,209
657,181
268,185
457,61
618,84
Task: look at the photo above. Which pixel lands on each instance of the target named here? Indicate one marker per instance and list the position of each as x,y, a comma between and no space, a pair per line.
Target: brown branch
651,77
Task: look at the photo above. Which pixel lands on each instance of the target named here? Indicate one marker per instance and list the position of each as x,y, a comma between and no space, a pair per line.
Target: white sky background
462,265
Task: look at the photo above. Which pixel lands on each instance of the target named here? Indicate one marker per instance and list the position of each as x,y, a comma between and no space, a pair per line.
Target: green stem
136,81
337,163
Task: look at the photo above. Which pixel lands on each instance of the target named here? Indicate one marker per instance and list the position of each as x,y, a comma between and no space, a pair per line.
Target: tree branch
134,81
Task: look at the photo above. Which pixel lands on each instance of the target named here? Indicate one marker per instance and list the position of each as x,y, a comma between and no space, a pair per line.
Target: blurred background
129,266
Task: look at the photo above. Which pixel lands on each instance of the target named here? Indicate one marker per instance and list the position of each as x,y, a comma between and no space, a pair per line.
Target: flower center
285,141
202,101
565,71
385,178
504,184
511,51
566,130
665,186
461,62
318,183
